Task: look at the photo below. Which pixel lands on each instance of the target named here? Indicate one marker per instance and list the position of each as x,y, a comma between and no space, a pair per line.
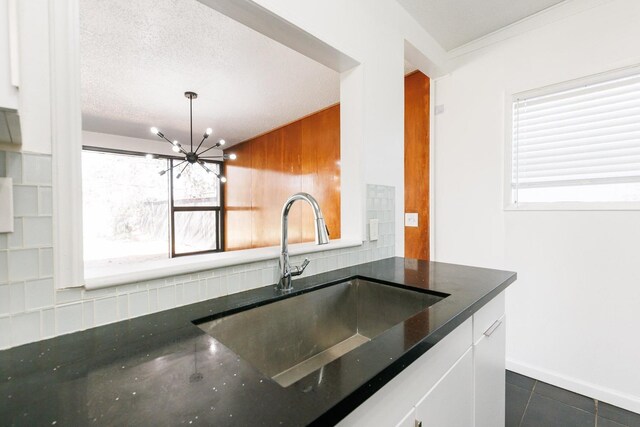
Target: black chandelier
194,156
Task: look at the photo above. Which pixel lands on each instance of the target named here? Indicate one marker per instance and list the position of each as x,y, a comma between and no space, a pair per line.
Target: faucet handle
298,270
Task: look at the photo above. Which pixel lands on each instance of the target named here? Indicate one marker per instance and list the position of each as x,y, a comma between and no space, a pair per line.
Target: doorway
416,165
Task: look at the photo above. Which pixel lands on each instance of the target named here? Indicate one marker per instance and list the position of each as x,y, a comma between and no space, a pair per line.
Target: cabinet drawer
487,316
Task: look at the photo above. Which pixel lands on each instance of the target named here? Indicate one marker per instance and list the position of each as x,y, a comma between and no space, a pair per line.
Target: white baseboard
613,397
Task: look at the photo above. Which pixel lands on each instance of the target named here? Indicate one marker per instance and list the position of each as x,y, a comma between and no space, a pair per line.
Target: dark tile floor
532,403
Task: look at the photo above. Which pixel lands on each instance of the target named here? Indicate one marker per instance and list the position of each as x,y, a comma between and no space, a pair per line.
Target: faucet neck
320,232
317,214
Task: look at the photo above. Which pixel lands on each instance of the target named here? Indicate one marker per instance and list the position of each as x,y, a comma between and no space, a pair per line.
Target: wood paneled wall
416,163
301,156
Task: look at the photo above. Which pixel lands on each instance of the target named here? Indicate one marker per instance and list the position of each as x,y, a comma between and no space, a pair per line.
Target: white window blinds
579,141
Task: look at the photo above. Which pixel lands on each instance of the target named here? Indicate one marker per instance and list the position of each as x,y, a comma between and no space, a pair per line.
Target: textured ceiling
139,57
454,23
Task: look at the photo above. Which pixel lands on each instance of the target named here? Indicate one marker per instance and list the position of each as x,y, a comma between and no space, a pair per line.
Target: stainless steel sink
288,339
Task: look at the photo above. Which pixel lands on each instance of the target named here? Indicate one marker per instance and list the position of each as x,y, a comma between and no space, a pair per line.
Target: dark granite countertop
161,369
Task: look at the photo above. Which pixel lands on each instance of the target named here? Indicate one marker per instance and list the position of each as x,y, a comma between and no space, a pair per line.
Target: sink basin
290,338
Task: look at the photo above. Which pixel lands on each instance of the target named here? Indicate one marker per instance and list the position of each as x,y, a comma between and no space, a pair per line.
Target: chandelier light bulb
223,179
175,142
154,130
176,148
222,142
233,156
208,132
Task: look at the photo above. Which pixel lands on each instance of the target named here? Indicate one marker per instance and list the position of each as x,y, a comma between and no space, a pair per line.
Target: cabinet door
8,92
409,420
489,366
450,402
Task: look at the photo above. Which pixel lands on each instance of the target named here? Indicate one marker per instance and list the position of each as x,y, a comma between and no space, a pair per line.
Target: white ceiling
139,57
454,23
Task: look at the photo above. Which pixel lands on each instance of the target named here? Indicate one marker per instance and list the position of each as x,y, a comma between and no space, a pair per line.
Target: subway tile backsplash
31,308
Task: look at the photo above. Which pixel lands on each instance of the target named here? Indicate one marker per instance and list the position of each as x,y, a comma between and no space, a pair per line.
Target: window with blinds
578,141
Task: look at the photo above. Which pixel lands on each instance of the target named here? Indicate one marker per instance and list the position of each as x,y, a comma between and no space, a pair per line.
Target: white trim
432,170
507,199
545,17
574,206
353,190
66,140
14,42
604,394
120,275
603,76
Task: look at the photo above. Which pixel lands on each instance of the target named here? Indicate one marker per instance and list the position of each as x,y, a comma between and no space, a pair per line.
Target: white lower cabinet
489,364
450,402
458,383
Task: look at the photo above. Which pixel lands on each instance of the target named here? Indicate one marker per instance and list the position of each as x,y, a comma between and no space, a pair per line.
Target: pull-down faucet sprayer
322,238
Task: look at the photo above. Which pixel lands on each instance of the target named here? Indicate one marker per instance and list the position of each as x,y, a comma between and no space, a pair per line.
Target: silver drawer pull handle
493,327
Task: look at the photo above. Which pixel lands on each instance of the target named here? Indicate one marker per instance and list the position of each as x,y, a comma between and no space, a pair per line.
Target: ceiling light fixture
194,156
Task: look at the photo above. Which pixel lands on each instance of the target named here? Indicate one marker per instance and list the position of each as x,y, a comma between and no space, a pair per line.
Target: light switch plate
373,229
411,219
6,205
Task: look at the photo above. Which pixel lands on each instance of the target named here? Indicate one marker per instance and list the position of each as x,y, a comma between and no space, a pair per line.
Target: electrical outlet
411,219
373,229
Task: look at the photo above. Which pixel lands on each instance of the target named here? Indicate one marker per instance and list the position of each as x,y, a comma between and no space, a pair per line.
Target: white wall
574,312
374,34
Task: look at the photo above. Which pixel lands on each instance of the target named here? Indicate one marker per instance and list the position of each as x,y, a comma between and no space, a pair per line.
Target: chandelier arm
199,145
211,157
174,166
169,141
201,163
185,166
210,148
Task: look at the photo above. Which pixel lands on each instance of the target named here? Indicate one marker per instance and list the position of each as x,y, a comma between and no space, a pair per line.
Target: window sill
575,206
124,274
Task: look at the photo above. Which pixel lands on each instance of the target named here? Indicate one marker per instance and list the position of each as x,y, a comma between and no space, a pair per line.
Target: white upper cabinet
9,119
25,72
8,56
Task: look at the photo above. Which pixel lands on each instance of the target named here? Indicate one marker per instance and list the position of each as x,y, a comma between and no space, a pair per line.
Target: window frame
509,101
171,208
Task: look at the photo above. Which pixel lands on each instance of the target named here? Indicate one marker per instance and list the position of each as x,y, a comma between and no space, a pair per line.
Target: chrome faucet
322,238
